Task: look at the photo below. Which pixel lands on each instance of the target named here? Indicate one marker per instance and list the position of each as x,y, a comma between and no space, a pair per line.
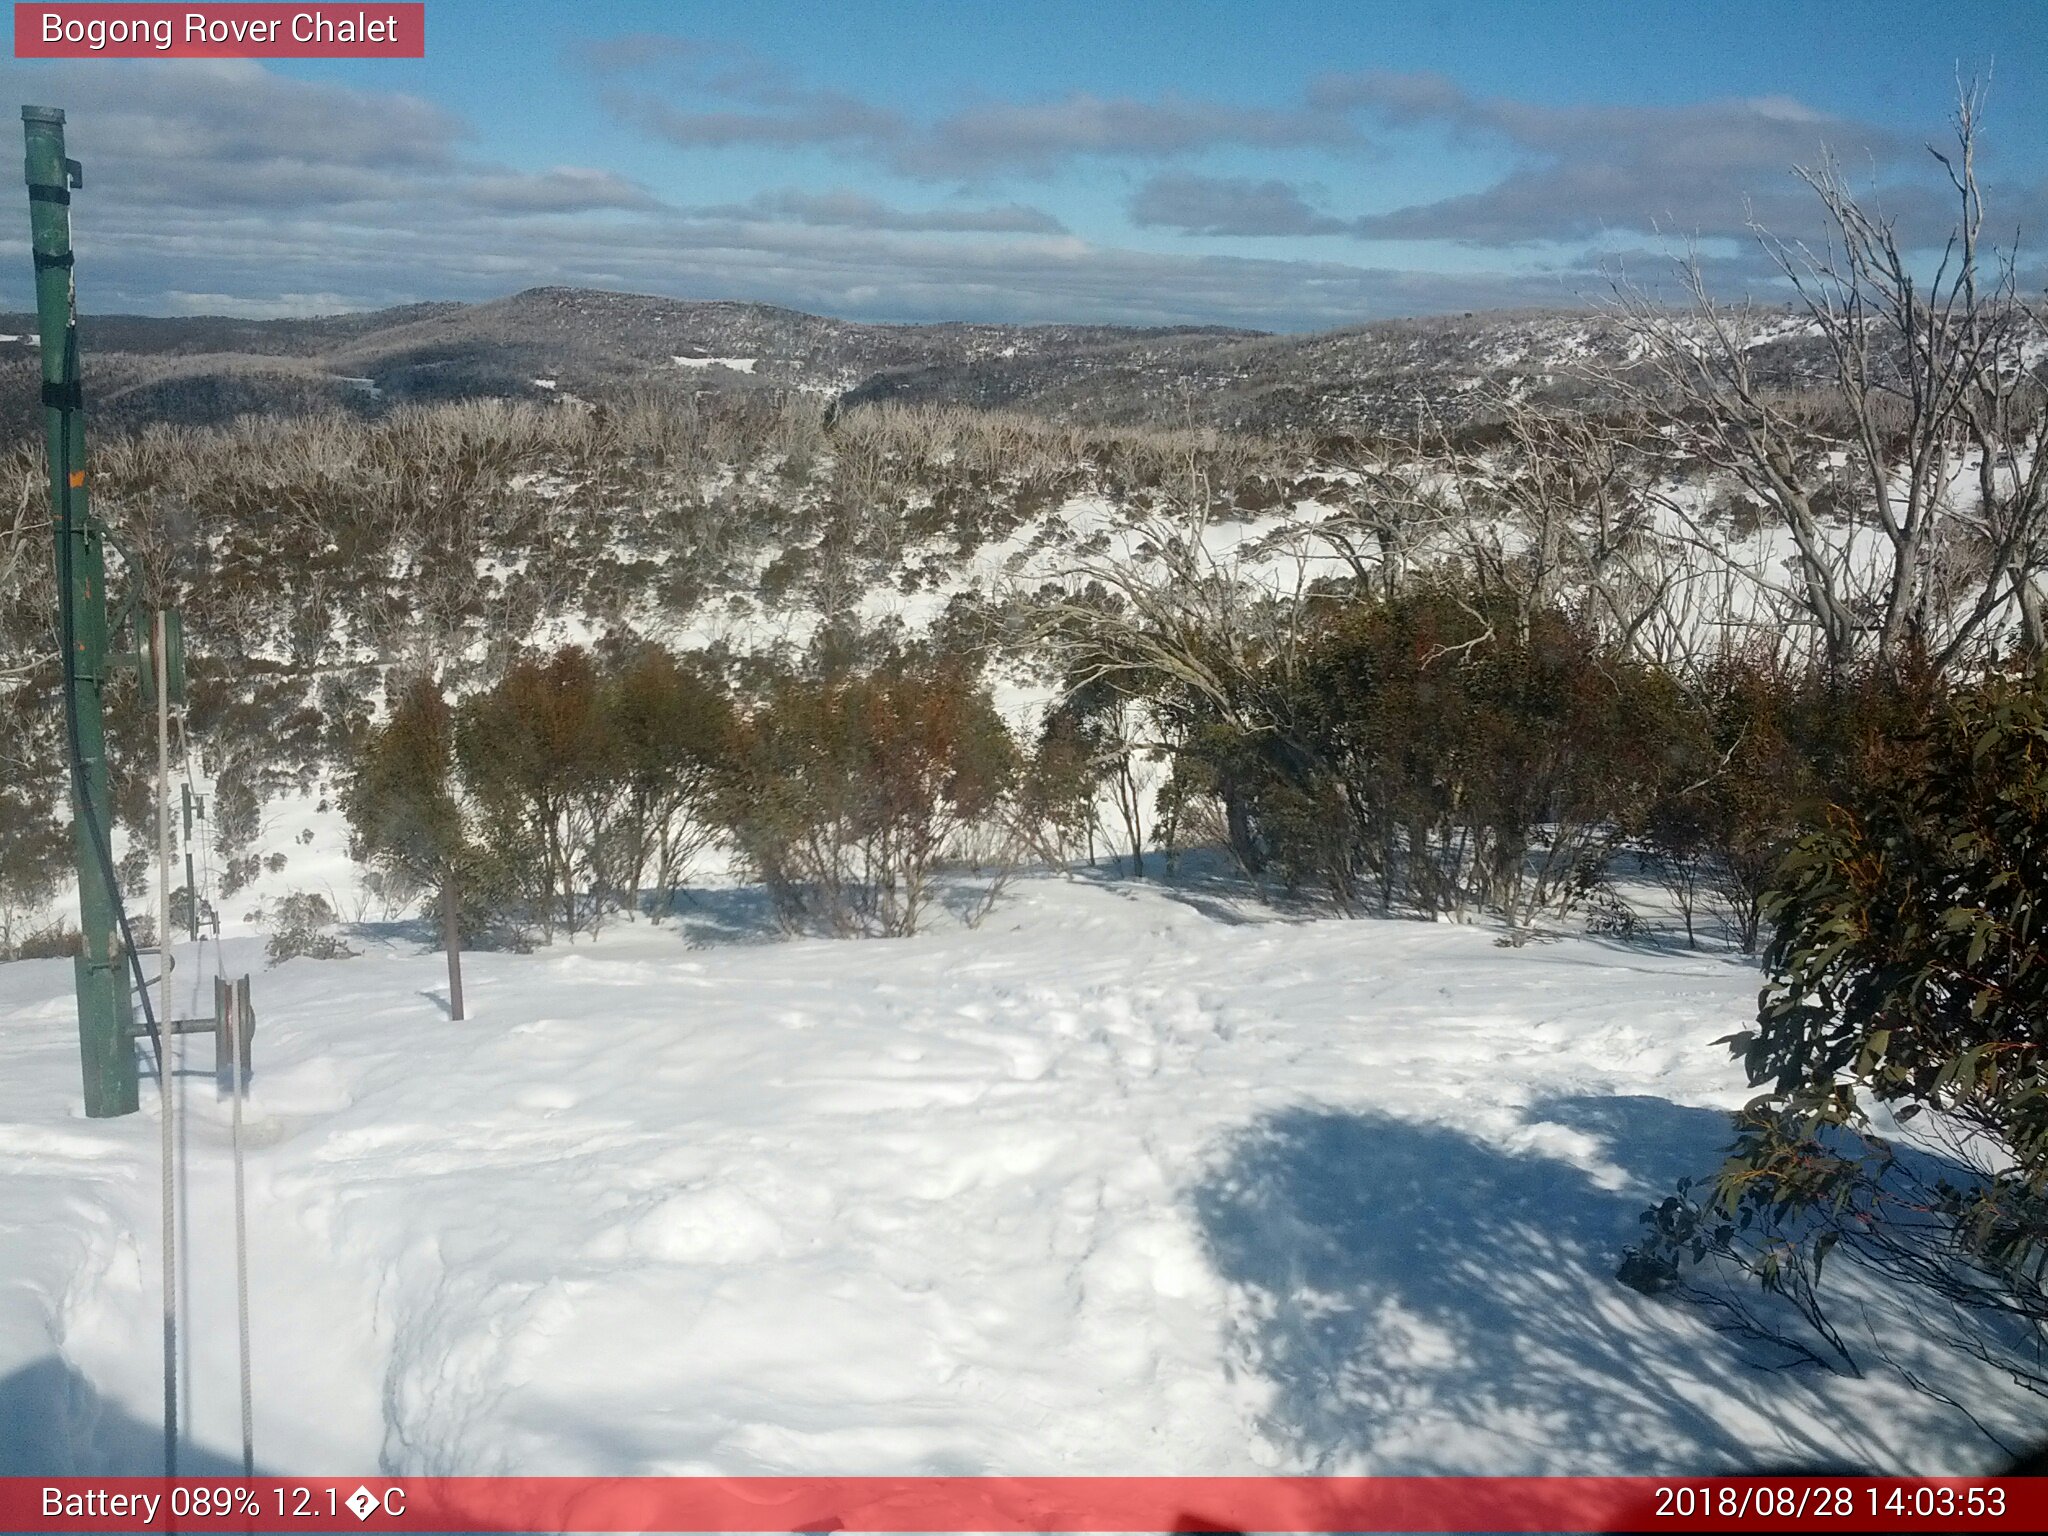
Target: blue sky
1284,165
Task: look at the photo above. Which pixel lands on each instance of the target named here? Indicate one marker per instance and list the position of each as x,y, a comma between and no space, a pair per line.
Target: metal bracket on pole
234,1026
143,660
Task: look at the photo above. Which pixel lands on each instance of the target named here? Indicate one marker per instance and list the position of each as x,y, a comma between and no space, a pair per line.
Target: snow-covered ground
1131,1179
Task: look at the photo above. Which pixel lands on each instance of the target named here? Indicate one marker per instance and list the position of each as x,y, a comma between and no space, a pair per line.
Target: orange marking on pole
77,478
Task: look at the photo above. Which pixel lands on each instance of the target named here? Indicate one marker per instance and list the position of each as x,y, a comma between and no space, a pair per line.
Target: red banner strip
1003,1504
265,31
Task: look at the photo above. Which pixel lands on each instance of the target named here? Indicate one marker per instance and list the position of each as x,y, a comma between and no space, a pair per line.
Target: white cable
165,1071
236,1026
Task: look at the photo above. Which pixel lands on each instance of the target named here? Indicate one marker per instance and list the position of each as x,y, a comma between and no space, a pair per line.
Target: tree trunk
451,940
1237,823
1132,812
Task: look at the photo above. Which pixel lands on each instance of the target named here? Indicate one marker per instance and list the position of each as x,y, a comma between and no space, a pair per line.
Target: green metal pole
106,1051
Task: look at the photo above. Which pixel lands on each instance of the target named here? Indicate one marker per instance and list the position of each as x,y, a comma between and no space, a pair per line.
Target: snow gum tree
847,790
536,752
1909,482
667,727
406,813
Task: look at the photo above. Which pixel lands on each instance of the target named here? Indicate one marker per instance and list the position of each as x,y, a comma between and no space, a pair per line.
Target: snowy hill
206,369
1131,1179
1374,376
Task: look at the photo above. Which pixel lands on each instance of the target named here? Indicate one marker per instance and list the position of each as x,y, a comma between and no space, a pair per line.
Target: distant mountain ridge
550,341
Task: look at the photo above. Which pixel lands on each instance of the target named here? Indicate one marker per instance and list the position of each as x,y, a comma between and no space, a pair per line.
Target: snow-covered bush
300,925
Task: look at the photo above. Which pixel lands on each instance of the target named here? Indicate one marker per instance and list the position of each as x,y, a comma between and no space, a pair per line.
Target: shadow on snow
54,1424
1416,1298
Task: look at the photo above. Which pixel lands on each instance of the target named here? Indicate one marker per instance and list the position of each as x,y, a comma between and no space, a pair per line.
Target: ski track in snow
1106,1186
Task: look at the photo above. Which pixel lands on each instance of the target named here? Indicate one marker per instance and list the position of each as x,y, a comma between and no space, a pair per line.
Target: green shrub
1764,753
412,821
1444,754
847,790
35,853
1059,788
535,754
667,726
1907,971
55,942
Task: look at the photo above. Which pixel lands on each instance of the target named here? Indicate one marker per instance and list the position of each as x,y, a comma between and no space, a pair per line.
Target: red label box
1022,1504
371,30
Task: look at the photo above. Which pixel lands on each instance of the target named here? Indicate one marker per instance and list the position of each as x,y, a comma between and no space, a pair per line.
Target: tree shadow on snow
53,1423
1205,879
398,933
1422,1301
737,914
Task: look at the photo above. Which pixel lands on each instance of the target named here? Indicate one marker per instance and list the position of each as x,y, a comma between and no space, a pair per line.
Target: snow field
1128,1180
